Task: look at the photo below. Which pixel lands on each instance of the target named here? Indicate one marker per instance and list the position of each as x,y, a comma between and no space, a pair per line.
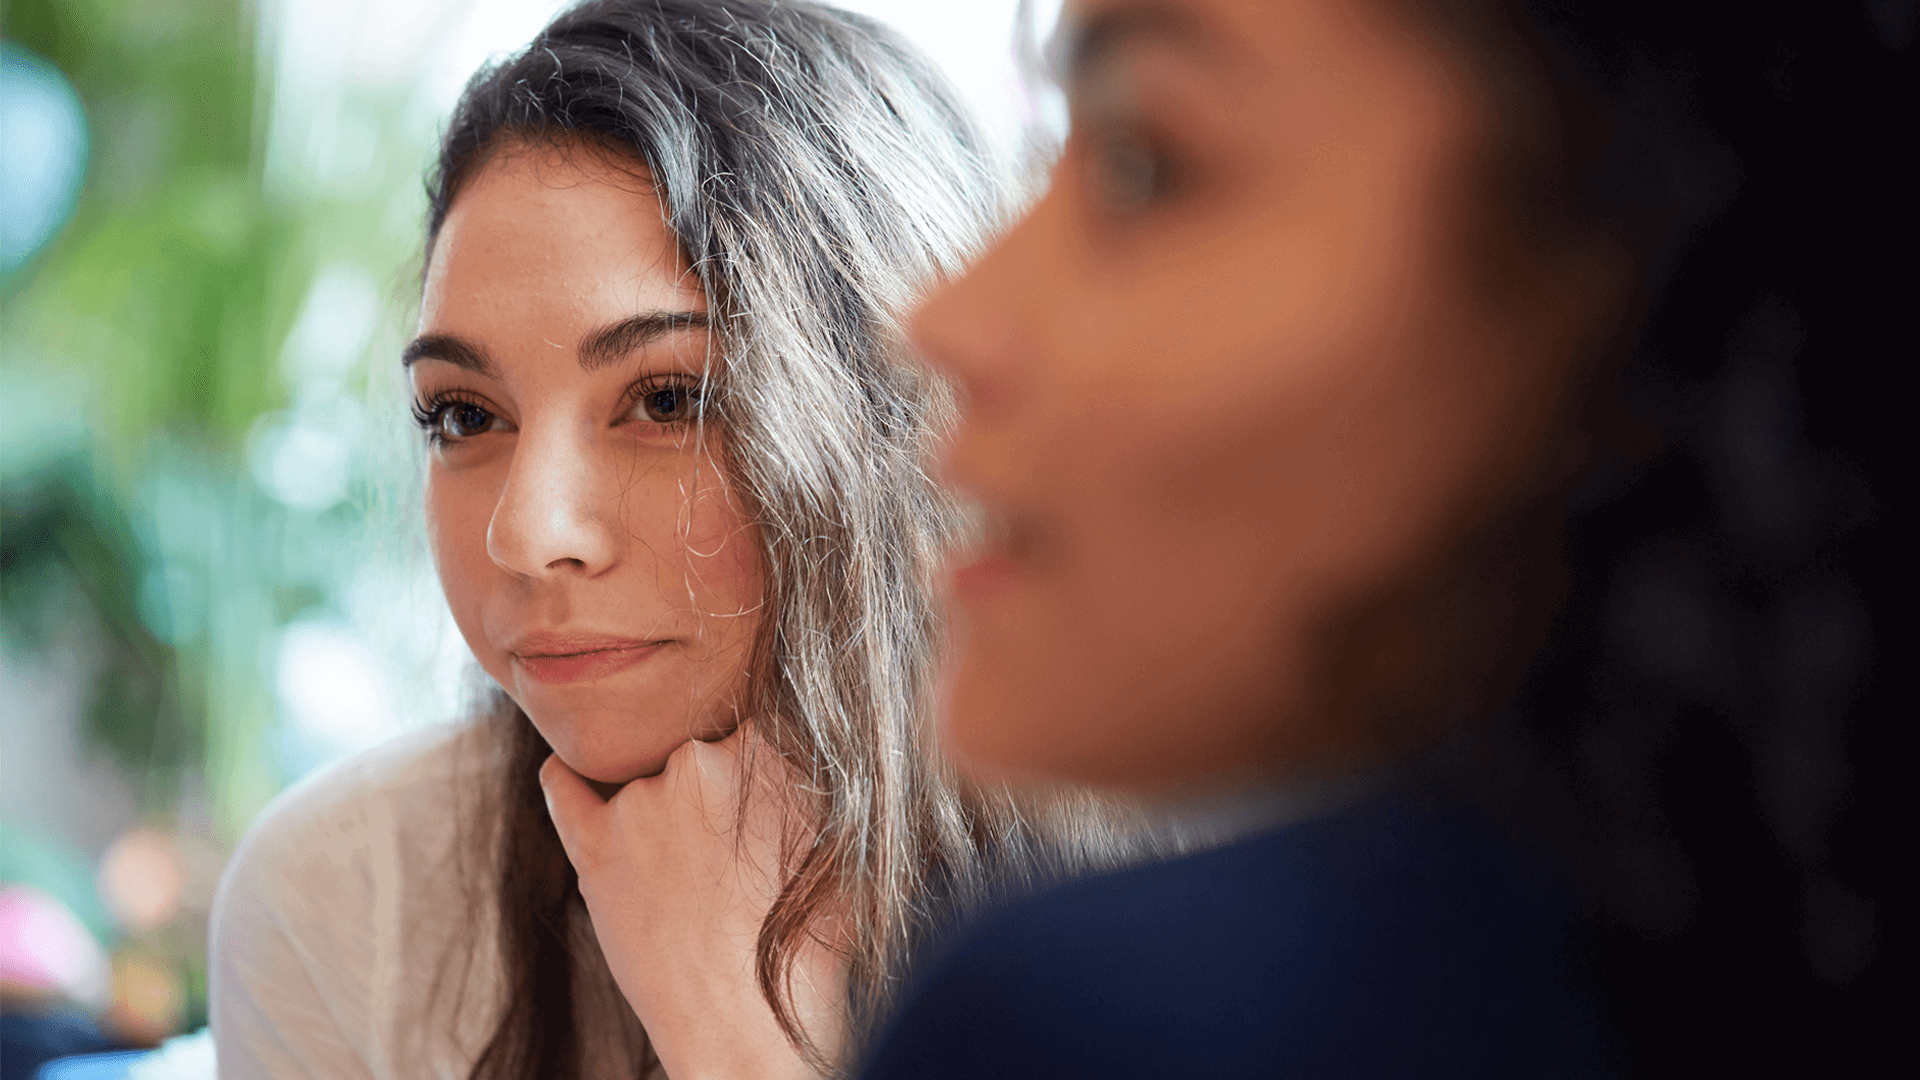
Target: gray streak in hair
818,173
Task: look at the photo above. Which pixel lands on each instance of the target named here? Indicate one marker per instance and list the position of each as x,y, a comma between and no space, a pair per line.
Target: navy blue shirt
1392,939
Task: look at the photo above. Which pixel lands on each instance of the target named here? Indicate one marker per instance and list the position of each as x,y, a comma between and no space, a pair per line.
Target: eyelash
430,414
692,387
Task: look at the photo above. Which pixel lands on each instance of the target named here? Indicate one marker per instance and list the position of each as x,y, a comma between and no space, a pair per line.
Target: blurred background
212,573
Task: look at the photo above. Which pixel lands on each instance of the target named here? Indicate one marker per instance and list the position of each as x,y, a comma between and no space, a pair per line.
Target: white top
354,931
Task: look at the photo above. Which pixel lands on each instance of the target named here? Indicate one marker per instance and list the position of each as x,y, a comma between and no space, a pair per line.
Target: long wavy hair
817,172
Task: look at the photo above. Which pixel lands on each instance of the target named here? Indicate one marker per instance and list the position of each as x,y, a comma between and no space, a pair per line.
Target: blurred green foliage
64,542
146,339
170,287
145,370
161,302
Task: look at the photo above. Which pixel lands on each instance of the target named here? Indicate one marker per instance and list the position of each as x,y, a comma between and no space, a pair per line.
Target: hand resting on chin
678,881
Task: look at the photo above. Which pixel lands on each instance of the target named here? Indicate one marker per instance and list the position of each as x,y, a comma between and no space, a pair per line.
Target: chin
998,726
1093,726
605,749
615,771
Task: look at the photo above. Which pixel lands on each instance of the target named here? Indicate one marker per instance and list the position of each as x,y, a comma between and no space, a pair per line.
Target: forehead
561,226
1224,37
1091,30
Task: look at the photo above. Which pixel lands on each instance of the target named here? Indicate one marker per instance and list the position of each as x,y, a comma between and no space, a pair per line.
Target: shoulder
1392,927
1388,867
342,847
333,915
327,829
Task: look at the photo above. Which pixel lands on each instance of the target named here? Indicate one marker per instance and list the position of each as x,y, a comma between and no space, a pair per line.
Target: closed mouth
560,661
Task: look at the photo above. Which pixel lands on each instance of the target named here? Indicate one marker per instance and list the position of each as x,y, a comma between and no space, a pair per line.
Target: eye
674,402
450,420
463,419
1130,172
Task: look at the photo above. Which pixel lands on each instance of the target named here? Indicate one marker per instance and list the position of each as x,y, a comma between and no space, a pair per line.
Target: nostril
553,517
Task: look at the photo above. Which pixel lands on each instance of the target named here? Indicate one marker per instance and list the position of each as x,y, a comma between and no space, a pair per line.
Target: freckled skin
1238,408
574,513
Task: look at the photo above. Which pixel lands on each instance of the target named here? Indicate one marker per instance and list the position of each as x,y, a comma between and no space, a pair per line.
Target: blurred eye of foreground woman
1278,403
675,498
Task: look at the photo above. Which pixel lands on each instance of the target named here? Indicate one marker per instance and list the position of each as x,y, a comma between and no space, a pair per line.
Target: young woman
676,501
1301,402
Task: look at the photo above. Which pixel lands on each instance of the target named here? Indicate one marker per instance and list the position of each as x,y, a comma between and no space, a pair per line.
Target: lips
1008,545
560,659
988,573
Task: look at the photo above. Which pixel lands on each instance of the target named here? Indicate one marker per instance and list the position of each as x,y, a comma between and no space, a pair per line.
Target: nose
971,330
554,517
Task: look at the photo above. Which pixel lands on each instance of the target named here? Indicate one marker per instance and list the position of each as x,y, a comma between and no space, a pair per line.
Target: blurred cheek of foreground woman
1279,403
675,496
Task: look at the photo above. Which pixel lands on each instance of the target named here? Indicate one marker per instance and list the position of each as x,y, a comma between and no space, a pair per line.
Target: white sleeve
292,950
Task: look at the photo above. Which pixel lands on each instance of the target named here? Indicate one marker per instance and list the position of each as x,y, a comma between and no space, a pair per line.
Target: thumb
577,810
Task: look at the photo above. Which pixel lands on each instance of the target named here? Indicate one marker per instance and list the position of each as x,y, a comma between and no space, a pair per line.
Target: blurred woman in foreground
1389,421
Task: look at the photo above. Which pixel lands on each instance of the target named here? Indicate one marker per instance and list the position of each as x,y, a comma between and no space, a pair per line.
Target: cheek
459,508
1220,497
1155,647
704,549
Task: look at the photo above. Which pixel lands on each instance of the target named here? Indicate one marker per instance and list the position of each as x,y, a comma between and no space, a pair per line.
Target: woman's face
1263,358
589,544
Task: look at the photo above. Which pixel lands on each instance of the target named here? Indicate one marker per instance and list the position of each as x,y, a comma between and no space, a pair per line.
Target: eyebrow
610,344
453,350
607,345
1087,45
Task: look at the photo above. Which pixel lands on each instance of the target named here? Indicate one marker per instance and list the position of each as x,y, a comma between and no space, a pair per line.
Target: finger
697,757
739,746
577,810
757,763
697,785
739,733
745,766
683,754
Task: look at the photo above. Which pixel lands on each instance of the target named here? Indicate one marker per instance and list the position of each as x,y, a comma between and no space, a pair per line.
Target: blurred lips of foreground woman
1263,398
